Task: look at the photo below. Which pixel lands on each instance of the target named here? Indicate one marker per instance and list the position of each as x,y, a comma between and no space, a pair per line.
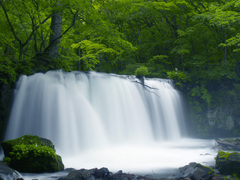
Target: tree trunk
56,28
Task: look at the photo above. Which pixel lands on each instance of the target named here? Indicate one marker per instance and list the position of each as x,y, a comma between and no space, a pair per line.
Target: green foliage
158,66
224,70
196,43
141,71
201,92
179,76
131,68
7,160
232,42
7,71
160,59
91,53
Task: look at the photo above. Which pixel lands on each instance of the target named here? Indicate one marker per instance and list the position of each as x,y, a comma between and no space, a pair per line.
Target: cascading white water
99,118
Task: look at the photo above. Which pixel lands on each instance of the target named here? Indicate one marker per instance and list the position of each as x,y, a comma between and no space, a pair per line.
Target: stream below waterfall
146,158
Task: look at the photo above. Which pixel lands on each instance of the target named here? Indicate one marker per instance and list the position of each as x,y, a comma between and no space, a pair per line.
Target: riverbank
193,171
188,171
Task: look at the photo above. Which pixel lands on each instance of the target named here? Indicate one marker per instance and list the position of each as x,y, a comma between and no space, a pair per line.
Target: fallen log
229,144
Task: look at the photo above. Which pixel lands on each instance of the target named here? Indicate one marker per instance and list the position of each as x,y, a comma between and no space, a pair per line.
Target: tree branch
9,22
146,87
72,24
36,28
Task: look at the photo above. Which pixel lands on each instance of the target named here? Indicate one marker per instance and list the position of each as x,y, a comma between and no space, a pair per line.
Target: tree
56,32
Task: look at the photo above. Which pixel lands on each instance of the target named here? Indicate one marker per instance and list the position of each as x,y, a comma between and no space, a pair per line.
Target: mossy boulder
196,171
31,154
228,163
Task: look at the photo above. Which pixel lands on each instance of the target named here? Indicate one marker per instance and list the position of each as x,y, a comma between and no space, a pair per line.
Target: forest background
195,43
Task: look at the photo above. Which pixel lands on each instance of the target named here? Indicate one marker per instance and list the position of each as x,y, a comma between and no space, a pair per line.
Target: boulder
90,174
196,171
188,169
7,173
228,163
102,174
31,154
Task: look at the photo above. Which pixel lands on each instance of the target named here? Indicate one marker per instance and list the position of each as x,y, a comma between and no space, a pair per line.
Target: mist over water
106,120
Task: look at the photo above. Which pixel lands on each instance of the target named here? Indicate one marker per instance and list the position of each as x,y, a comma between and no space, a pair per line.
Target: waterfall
87,112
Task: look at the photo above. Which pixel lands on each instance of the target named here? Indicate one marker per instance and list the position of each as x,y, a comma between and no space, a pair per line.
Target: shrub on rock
228,163
32,154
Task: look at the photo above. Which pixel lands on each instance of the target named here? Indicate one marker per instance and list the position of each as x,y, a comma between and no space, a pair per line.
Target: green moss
30,139
210,170
20,151
206,168
226,155
223,155
32,154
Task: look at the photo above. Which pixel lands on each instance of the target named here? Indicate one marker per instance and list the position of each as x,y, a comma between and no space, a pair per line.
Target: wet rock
188,169
218,177
195,171
32,154
102,174
7,173
228,163
91,174
123,176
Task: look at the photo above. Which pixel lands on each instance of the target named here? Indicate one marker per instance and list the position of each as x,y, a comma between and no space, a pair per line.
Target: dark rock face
6,95
7,173
32,154
228,163
221,119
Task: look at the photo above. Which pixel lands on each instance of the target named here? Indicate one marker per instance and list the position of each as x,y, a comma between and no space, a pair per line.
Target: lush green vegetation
196,43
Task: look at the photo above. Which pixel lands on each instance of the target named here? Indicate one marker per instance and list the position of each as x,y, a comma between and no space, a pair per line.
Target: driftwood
230,144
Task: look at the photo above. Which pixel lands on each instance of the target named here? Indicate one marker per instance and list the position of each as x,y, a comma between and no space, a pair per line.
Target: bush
141,71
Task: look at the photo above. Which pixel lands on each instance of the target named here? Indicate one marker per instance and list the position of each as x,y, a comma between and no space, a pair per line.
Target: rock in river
31,154
228,163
